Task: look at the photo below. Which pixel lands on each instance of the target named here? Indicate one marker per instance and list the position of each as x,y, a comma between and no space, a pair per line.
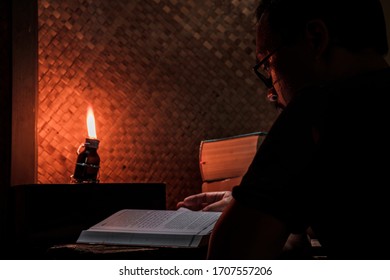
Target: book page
159,221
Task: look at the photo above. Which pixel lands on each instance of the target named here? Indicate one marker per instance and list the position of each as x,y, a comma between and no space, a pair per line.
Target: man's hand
207,201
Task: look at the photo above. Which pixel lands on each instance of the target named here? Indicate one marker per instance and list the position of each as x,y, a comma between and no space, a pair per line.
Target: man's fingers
199,201
218,206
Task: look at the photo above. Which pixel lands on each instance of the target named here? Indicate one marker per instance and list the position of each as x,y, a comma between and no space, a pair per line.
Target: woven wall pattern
161,75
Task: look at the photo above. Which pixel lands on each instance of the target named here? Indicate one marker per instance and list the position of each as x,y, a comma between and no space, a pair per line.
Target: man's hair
352,24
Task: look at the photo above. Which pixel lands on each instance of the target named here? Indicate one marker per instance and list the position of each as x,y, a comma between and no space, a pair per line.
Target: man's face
289,66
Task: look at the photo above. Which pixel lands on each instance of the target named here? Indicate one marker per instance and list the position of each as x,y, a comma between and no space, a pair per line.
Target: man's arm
246,233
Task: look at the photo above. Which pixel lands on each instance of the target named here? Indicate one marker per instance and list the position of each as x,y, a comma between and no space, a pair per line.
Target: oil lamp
88,160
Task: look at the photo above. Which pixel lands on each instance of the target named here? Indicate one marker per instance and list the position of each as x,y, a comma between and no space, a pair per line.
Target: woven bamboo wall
161,76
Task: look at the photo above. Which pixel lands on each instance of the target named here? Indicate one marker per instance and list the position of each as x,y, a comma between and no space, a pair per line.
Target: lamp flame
91,124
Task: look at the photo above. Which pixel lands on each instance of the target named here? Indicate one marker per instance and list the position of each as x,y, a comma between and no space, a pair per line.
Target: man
320,165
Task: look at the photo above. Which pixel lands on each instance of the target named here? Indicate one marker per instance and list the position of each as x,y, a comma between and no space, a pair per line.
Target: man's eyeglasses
261,71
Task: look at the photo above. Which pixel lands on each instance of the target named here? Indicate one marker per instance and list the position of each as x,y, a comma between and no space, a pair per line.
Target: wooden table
117,252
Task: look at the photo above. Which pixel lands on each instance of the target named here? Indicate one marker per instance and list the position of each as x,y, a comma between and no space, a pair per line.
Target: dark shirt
324,165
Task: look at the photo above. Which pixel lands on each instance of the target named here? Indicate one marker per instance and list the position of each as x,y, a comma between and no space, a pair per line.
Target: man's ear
317,35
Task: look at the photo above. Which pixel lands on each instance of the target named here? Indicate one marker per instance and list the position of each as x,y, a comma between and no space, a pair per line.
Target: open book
157,228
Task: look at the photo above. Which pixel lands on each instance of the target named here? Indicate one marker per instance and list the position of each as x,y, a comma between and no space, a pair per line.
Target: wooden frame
18,99
24,91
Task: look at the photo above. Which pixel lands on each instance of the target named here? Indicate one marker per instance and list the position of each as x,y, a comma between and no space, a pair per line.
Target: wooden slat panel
161,76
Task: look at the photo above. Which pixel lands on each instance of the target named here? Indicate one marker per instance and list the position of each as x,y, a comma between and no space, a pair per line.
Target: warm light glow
91,124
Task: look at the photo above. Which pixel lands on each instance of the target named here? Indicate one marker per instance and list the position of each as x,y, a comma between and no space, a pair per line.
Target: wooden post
24,91
5,115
